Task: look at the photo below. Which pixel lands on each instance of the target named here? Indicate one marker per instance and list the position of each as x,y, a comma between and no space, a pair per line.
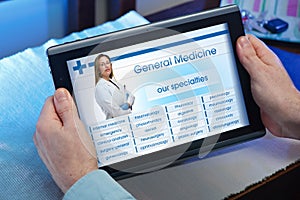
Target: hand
62,141
125,106
271,87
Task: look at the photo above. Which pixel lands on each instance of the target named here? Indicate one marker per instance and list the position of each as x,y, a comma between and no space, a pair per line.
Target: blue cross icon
80,66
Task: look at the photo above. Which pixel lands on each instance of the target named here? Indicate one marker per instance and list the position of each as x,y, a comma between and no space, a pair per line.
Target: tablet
153,95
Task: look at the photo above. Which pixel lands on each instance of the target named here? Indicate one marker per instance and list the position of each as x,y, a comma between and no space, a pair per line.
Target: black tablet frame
60,54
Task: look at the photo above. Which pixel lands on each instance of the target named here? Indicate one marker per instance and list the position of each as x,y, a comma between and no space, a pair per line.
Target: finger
65,107
247,55
38,145
41,150
48,114
47,121
263,52
47,108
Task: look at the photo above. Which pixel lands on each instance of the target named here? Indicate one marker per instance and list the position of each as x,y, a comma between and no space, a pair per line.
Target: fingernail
61,95
244,42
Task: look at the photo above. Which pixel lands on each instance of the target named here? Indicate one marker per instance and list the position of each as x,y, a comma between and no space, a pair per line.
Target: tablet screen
159,93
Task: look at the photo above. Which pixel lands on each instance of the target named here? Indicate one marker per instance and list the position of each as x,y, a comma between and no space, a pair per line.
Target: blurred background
29,23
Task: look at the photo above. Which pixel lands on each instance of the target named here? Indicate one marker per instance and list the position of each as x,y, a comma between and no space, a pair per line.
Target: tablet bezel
58,55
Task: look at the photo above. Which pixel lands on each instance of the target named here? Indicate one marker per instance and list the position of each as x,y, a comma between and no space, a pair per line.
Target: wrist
97,184
78,178
291,117
74,174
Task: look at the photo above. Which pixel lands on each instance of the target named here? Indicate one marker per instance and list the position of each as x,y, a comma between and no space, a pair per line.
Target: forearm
112,108
118,111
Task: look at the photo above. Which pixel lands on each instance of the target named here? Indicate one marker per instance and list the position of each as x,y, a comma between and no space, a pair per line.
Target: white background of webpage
164,119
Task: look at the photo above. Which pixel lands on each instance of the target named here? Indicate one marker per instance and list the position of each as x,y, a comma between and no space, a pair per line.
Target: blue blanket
25,84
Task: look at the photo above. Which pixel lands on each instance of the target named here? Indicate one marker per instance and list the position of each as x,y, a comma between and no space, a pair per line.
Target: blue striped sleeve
97,185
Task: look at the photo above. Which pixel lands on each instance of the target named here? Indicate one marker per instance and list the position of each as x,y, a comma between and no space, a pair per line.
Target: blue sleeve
97,185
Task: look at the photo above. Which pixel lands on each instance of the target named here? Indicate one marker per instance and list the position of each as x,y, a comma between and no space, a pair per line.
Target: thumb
247,55
64,106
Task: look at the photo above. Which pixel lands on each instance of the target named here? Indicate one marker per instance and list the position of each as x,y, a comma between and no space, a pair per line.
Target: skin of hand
62,141
271,86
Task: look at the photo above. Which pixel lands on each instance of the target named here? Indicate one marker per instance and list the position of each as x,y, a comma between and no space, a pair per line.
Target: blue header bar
165,46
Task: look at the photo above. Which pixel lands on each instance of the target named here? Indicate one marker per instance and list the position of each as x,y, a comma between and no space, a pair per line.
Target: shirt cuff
97,184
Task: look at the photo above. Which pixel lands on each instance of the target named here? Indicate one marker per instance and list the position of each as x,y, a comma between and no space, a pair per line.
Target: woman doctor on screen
111,96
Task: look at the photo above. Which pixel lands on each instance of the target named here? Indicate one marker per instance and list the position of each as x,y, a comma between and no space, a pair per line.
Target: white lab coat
110,98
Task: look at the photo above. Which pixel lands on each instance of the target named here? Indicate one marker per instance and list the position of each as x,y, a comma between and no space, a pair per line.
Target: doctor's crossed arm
108,101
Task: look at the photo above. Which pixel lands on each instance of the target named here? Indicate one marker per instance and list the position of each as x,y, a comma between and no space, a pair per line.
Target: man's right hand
271,87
